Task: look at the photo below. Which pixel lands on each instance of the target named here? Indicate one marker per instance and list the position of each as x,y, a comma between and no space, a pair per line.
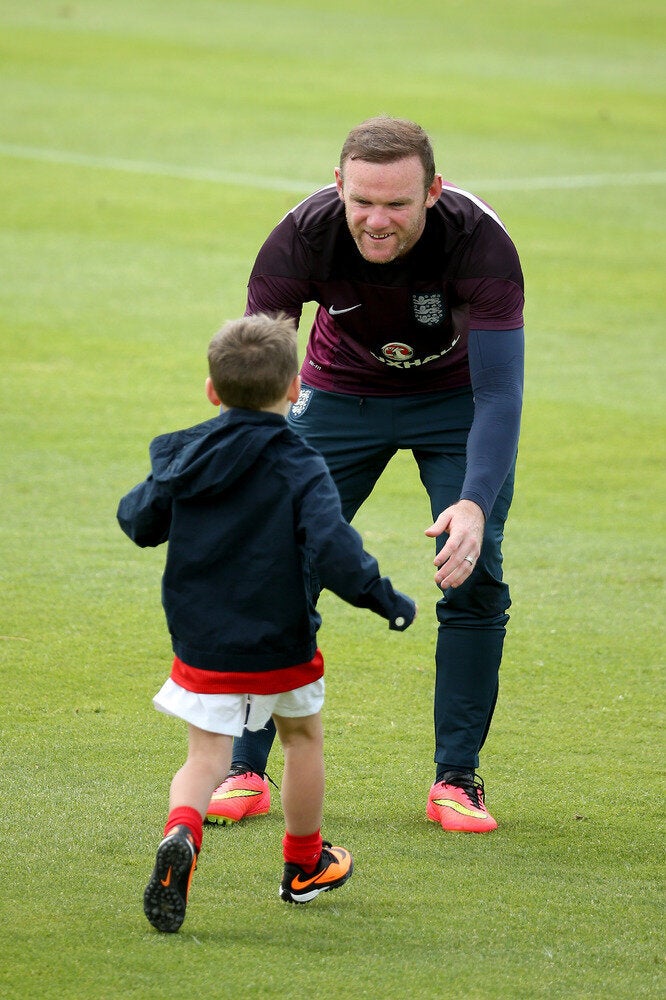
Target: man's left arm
496,364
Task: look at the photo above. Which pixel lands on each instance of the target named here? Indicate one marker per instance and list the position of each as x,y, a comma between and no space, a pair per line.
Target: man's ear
210,392
294,389
434,191
338,183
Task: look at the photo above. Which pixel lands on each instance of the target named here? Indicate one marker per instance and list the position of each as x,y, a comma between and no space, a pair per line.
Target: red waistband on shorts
263,682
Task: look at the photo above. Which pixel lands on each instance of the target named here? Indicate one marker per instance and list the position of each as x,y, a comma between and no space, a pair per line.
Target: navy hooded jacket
254,530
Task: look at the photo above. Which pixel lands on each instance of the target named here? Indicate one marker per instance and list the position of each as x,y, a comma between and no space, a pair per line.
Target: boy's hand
405,619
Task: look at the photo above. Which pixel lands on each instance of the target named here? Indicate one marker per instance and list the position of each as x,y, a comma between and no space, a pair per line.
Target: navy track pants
357,437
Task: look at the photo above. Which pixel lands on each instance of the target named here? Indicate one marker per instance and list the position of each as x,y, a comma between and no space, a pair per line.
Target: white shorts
230,714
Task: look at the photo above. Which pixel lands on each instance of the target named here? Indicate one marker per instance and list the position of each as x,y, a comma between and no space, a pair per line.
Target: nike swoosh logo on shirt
337,312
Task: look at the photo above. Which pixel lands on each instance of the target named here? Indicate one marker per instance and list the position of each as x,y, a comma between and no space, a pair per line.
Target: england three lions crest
300,406
429,308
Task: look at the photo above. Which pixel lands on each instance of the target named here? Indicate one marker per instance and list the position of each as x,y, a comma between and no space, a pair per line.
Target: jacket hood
209,458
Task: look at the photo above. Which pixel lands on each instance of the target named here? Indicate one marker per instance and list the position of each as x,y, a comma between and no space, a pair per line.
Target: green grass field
146,149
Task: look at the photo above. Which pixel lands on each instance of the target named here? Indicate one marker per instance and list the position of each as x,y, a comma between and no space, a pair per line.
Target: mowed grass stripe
272,183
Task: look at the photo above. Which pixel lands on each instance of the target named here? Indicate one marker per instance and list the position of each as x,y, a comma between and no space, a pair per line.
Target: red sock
189,817
302,851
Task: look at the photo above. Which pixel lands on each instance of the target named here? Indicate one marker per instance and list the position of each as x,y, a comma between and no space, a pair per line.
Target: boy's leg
302,789
312,866
208,759
165,897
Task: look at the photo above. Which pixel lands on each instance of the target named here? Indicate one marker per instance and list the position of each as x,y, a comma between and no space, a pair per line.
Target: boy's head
253,362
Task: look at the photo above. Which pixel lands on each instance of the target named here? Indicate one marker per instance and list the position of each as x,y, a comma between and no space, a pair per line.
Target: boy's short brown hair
253,360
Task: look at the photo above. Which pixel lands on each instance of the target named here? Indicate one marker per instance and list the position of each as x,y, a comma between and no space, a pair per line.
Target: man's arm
279,278
270,294
496,363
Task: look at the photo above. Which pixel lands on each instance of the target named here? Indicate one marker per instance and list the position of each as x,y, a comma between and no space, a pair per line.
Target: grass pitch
145,152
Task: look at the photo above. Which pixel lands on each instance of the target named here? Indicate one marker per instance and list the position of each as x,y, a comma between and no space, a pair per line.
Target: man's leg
472,618
472,625
468,656
354,435
251,750
245,790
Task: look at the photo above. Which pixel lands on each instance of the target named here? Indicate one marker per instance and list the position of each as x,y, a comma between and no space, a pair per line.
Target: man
417,344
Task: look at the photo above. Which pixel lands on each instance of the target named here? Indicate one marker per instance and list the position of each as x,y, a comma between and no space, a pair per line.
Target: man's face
385,205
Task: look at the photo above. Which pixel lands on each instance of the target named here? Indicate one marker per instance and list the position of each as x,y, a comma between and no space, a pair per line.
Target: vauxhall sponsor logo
398,355
397,352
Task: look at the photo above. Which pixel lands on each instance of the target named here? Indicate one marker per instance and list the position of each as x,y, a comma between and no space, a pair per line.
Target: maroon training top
398,328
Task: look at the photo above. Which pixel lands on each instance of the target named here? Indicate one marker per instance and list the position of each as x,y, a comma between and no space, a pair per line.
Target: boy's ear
294,389
210,392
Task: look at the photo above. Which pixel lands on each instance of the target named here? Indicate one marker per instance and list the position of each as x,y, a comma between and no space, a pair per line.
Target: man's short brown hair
253,360
385,140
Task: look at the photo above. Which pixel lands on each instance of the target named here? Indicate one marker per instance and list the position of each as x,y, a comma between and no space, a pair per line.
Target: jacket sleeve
336,552
144,514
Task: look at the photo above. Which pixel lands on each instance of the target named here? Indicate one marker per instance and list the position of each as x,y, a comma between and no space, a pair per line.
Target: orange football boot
334,868
165,897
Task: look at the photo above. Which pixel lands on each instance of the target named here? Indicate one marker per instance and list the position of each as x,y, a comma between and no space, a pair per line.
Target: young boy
255,530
